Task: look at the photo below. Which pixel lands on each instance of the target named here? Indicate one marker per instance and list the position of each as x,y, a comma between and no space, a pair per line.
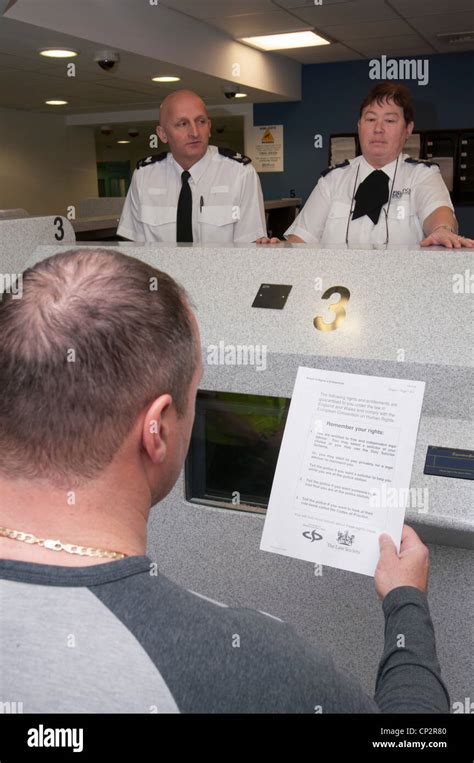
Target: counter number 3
337,308
59,235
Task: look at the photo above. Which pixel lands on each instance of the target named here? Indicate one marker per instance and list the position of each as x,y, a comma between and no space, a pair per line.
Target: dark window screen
234,449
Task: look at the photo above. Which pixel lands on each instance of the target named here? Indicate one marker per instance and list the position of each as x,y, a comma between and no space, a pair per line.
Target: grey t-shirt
120,637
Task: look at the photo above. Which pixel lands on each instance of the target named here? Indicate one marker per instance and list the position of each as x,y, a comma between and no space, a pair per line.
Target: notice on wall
343,472
342,148
267,148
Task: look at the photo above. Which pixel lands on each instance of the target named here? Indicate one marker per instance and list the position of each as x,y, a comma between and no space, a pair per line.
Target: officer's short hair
393,91
95,337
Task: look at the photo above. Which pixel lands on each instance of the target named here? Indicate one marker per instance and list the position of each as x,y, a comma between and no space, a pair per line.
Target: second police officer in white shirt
383,196
225,197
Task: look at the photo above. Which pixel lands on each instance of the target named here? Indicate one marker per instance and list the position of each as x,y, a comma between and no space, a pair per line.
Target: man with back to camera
383,196
195,192
86,448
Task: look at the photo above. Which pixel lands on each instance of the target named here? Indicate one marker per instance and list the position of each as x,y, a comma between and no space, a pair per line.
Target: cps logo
312,535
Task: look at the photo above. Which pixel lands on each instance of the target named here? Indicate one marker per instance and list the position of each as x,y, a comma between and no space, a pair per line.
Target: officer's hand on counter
266,240
444,237
408,568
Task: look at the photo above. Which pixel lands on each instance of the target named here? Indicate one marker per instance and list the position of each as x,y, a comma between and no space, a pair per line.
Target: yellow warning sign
267,148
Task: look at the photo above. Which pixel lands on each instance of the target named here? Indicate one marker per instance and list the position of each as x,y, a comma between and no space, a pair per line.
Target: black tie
371,195
184,221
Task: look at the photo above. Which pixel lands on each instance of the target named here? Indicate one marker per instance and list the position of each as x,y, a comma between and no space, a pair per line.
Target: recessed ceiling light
56,103
123,141
166,79
286,41
57,53
241,95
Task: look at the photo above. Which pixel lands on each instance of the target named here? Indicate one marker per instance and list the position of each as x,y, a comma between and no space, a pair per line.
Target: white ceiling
27,80
358,29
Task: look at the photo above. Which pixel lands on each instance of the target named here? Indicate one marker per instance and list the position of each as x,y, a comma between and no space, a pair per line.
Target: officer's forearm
441,216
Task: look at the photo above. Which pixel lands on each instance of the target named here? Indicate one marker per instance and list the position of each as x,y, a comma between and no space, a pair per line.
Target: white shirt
227,201
416,189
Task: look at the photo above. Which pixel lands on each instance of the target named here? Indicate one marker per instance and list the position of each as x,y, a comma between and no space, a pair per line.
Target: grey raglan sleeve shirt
164,647
409,676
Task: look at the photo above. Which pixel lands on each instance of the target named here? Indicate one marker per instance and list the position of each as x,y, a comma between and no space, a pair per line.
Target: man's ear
210,127
161,132
157,426
410,127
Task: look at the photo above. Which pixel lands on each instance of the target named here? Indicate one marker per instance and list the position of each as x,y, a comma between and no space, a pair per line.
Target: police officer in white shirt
196,192
383,196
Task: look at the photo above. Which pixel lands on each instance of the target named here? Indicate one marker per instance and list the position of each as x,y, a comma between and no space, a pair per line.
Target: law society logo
345,539
312,535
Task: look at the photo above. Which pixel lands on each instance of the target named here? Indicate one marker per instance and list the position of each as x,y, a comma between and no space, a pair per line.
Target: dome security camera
230,90
133,132
107,59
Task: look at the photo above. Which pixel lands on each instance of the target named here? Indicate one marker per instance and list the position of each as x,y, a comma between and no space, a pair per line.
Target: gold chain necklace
57,545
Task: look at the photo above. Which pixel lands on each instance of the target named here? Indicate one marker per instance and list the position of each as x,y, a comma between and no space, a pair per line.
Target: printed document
344,467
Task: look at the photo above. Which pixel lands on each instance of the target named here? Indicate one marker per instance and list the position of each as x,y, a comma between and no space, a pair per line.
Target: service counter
20,236
408,316
95,228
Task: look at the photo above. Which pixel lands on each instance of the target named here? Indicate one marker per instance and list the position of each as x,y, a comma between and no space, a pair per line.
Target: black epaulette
235,155
345,163
422,161
151,159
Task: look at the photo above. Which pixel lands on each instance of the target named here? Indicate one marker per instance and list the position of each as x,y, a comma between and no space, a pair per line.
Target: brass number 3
337,308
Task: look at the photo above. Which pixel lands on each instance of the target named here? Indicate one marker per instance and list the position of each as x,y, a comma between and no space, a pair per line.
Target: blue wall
331,97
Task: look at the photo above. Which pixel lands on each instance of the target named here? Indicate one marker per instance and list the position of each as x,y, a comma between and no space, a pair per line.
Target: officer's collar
197,169
366,168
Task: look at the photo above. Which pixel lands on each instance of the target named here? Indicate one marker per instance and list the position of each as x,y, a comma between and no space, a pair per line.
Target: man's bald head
185,126
180,100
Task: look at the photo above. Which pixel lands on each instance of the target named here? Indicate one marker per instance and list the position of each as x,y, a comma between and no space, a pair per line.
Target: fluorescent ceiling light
241,95
56,103
123,141
57,53
456,38
286,41
166,79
